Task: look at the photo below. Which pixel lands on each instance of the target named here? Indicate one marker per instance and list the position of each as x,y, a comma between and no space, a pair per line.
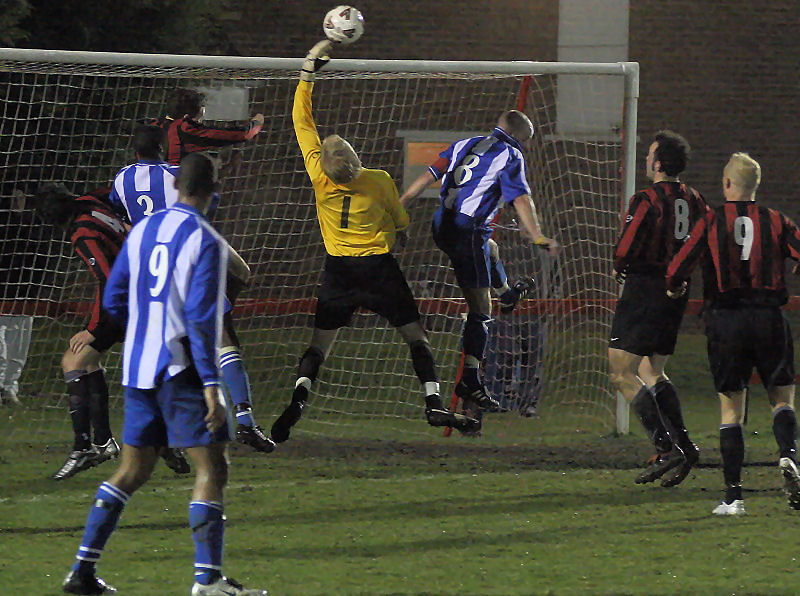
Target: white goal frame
628,70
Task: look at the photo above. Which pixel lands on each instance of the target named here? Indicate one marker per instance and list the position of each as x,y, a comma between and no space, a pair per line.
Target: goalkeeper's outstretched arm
302,118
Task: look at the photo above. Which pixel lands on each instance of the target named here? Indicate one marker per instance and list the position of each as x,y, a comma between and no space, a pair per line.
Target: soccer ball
344,24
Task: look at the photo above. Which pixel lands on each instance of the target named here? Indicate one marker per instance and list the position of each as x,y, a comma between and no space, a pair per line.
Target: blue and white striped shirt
143,188
168,283
480,172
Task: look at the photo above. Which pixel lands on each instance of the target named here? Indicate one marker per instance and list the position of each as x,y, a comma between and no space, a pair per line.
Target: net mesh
72,123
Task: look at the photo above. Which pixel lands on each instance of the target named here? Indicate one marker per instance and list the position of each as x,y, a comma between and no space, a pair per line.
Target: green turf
535,506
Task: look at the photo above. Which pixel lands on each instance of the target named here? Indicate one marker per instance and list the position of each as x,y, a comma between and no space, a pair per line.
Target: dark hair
517,124
197,176
148,141
185,101
672,151
55,204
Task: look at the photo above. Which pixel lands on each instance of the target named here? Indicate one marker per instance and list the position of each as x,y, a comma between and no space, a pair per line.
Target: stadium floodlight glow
68,116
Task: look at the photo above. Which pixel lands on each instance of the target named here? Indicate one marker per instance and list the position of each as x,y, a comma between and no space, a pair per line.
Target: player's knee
211,474
618,379
68,362
494,251
71,361
310,363
218,473
412,332
132,478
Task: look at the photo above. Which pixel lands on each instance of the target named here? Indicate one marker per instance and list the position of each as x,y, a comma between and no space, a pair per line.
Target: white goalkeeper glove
316,59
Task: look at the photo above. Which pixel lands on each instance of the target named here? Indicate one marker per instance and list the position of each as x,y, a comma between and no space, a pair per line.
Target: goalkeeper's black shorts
646,320
374,283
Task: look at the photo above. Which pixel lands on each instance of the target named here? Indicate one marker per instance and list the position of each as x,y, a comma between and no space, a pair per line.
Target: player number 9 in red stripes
743,235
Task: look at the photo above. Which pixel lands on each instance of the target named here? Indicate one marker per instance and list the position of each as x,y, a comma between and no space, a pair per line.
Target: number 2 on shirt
345,212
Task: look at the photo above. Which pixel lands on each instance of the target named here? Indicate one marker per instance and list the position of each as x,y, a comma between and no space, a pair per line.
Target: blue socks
208,531
103,517
238,383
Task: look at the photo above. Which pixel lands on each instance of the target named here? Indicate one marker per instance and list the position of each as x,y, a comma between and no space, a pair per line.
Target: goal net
69,117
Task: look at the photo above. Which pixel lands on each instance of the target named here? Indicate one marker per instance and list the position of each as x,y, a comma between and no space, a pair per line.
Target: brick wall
396,29
724,74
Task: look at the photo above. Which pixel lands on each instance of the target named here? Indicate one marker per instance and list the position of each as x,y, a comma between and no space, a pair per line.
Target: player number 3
159,265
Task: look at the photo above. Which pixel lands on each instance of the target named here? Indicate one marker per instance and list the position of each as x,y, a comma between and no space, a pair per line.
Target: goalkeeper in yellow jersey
359,215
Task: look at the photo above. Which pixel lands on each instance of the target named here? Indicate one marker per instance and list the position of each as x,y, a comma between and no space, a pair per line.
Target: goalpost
68,116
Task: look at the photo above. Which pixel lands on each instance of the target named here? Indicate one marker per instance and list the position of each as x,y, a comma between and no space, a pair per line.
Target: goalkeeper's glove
317,58
619,276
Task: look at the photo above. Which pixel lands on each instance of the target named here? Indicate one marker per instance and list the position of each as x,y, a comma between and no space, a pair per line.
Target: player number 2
159,265
743,235
148,204
681,219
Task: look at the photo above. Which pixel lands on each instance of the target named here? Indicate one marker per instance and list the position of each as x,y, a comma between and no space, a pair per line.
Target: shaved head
339,160
517,124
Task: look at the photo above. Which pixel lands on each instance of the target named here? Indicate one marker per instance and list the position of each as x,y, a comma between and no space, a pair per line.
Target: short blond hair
339,160
744,172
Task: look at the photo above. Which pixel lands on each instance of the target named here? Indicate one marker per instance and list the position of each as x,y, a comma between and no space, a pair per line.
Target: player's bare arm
526,211
415,188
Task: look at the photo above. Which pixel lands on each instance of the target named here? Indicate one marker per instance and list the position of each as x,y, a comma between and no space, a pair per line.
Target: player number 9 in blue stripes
159,266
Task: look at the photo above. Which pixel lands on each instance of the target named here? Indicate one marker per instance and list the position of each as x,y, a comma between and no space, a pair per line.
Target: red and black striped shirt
745,246
656,225
97,234
185,136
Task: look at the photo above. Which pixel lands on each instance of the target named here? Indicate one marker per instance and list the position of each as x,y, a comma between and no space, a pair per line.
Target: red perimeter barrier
271,306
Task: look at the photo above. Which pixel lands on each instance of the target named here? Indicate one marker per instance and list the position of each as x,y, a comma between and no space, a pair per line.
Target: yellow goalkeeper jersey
359,218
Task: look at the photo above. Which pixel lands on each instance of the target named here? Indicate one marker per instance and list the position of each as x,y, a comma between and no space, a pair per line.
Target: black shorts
107,333
373,282
646,320
742,338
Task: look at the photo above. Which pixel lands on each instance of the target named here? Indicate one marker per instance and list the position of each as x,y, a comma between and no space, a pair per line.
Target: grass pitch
557,513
